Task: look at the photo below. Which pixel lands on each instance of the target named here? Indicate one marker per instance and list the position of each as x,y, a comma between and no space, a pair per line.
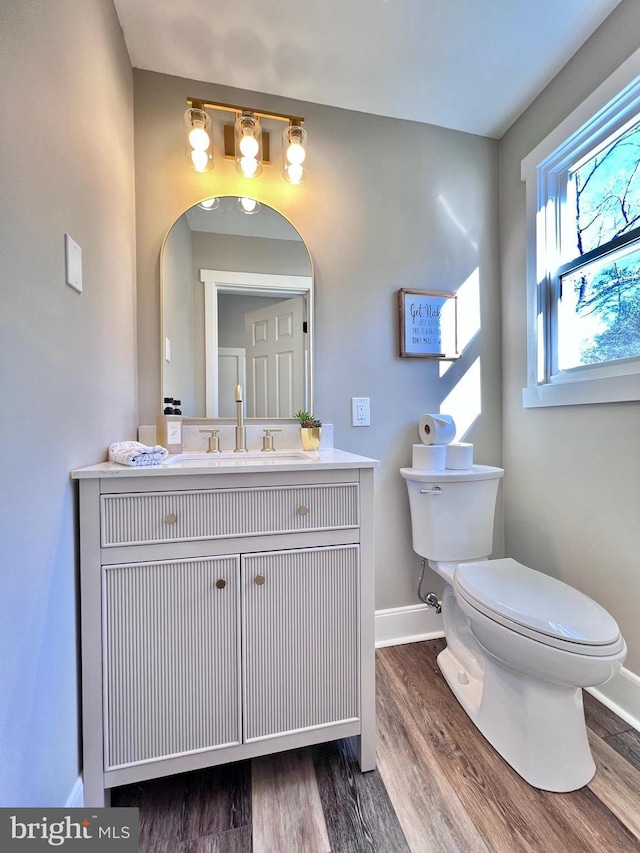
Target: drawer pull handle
303,510
221,583
259,580
171,518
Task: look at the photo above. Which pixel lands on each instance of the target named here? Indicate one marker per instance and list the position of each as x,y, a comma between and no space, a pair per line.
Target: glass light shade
248,205
198,140
248,140
294,153
209,204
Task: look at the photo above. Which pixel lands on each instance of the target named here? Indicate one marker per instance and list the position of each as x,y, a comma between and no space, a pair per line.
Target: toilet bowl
521,645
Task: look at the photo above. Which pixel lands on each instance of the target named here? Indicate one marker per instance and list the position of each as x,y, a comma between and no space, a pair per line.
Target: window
583,268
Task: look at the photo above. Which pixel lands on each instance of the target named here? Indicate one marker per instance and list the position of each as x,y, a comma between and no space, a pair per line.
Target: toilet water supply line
430,598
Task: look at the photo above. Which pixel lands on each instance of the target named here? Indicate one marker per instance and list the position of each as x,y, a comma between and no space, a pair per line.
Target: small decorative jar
310,437
310,430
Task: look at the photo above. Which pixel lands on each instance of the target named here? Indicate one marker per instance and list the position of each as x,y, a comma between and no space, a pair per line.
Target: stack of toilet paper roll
438,449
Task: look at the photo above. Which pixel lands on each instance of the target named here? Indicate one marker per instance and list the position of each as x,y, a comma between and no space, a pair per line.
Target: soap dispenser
169,426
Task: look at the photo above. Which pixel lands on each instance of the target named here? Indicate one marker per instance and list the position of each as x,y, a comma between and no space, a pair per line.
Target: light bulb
296,153
198,137
295,173
249,146
200,160
249,166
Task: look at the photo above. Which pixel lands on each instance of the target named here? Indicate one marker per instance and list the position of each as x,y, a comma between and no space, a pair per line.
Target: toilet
521,645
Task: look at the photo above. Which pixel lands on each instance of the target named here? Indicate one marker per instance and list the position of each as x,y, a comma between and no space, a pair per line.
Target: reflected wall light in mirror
228,281
245,141
248,205
209,204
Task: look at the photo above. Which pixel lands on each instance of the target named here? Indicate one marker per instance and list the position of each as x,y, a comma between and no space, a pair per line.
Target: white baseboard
76,797
622,696
409,624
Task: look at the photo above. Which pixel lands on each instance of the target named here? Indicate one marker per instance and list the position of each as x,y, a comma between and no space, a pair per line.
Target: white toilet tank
452,511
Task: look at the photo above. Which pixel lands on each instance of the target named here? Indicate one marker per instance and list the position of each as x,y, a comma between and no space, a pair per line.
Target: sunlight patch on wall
464,402
468,315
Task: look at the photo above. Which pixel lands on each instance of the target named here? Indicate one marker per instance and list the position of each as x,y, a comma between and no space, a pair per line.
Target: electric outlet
360,412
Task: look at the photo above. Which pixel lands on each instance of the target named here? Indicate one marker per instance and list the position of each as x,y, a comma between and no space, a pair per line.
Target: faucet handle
214,441
267,438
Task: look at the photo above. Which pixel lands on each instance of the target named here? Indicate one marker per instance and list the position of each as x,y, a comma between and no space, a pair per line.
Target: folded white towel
136,454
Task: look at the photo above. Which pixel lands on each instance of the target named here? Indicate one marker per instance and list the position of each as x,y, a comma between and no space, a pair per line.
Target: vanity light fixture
245,141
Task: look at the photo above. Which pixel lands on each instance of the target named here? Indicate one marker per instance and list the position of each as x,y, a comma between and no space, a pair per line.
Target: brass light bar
199,104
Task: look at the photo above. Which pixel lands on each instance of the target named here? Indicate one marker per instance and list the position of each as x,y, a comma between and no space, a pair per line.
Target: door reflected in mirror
237,306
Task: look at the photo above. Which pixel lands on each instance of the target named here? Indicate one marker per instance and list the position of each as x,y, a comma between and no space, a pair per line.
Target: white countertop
253,462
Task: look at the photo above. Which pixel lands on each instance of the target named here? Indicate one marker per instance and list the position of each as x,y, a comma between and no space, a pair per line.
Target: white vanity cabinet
224,615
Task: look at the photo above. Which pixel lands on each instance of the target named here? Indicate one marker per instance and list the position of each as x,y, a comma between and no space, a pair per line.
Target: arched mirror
237,309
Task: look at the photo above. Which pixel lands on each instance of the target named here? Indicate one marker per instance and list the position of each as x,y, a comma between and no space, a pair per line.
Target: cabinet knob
259,580
303,510
171,518
221,583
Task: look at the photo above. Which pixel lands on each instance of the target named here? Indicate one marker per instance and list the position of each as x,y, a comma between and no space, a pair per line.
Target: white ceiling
471,65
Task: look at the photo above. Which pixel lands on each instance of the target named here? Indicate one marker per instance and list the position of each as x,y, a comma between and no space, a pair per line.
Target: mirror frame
251,284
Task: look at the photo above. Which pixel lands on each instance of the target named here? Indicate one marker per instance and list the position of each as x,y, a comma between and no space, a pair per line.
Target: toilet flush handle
436,490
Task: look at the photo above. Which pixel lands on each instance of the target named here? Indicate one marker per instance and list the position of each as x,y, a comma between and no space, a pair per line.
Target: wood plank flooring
439,788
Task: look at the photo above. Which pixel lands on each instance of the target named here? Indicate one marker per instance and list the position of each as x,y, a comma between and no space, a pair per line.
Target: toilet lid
535,601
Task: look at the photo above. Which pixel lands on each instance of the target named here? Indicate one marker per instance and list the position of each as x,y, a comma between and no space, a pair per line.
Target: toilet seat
537,606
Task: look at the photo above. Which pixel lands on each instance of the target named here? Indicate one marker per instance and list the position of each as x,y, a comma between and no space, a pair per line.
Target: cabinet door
171,658
300,639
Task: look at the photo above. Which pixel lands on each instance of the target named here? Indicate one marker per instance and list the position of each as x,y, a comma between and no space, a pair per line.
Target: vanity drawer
153,517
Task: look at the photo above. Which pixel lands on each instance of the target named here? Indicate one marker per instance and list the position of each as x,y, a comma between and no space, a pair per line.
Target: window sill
610,389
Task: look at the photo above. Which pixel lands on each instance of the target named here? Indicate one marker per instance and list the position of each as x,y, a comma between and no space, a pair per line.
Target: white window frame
611,106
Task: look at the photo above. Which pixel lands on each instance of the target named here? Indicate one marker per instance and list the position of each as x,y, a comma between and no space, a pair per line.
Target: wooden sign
428,324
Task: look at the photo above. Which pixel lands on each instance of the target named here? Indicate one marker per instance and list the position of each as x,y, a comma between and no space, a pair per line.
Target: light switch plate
73,263
360,412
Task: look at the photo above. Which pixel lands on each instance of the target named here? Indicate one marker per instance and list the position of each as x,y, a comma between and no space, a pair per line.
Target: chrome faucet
240,448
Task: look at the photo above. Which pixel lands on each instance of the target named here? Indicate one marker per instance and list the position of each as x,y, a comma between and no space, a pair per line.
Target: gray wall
249,254
572,482
231,311
67,361
387,204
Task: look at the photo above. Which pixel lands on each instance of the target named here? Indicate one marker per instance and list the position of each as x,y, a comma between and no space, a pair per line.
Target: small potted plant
310,430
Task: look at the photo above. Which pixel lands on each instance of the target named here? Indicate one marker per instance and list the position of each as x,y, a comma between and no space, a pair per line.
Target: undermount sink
253,457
